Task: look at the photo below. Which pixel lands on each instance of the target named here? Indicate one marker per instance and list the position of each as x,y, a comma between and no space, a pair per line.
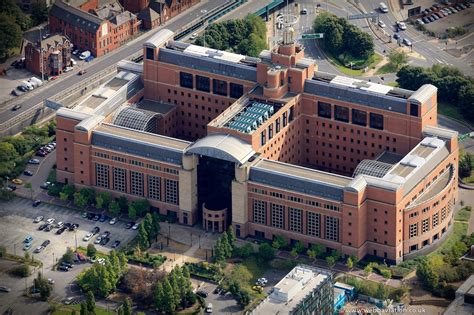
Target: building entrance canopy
223,147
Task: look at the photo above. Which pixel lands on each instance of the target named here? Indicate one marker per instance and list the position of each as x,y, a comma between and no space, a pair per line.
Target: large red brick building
99,29
55,52
270,145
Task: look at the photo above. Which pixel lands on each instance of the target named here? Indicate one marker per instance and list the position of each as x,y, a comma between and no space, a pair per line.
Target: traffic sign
312,36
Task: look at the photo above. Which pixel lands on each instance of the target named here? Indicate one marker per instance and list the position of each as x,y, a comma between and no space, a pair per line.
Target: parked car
63,268
17,181
116,244
26,246
43,226
113,221
67,69
16,92
193,36
40,153
75,52
28,173
135,226
48,228
11,187
59,224
90,216
96,217
50,221
83,71
4,288
401,25
45,185
106,234
16,107
129,225
209,308
84,55
87,237
34,161
104,241
70,266
38,249
60,231
98,239
38,219
46,243
28,239
95,230
202,293
381,24
73,227
407,42
103,218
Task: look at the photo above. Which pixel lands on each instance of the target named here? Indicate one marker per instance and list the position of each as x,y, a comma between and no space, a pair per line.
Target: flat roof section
154,106
434,188
304,172
423,150
144,136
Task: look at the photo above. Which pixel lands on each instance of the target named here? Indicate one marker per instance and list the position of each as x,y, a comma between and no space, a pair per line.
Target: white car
50,281
113,221
401,25
381,24
87,237
67,69
194,36
59,225
38,219
98,239
50,221
135,226
101,261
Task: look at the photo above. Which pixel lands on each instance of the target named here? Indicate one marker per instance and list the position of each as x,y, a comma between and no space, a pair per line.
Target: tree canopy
244,36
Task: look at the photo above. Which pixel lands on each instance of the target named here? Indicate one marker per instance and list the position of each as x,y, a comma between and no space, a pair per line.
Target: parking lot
17,222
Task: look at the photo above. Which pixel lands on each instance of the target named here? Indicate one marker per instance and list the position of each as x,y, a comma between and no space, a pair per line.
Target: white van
73,62
383,7
28,85
36,80
84,55
209,308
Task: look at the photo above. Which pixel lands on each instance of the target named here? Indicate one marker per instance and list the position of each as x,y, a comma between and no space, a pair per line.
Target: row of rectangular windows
296,199
295,220
359,117
425,223
219,87
119,183
286,118
137,163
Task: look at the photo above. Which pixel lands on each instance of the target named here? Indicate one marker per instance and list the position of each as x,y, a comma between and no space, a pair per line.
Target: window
314,223
120,179
154,187
295,220
203,83
376,121
435,219
413,230
136,183
291,115
414,110
443,214
171,193
270,131
236,90
149,53
101,175
259,212
277,125
186,80
341,113
219,87
332,228
285,119
277,216
359,117
119,159
425,225
324,110
263,138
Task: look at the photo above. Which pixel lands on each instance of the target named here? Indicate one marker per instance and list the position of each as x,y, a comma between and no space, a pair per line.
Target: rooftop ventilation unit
240,127
253,116
259,111
264,106
248,121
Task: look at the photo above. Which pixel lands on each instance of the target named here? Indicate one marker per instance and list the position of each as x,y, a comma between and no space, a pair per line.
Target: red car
53,78
82,72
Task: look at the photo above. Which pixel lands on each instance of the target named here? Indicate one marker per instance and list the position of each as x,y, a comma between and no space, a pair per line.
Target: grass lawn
388,68
463,215
459,230
469,179
375,60
394,84
98,254
453,112
67,310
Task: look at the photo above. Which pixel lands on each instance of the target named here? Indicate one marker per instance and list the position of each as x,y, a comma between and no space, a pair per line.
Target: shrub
3,251
22,271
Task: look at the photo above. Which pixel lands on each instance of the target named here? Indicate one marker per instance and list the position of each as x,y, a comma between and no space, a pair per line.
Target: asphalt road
114,57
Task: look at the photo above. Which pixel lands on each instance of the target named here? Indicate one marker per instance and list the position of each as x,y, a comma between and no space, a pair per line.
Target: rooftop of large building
292,290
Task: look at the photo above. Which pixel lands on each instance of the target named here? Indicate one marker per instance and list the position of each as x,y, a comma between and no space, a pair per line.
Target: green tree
169,302
279,242
226,246
158,295
44,287
143,239
30,188
368,269
311,254
266,252
89,195
123,203
155,219
299,247
148,224
349,263
120,310
318,249
231,236
386,273
139,206
39,12
294,252
331,261
84,308
132,213
127,306
68,192
10,35
397,59
80,200
91,250
90,302
3,251
68,256
10,8
102,200
382,292
114,208
219,251
245,251
8,154
465,165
